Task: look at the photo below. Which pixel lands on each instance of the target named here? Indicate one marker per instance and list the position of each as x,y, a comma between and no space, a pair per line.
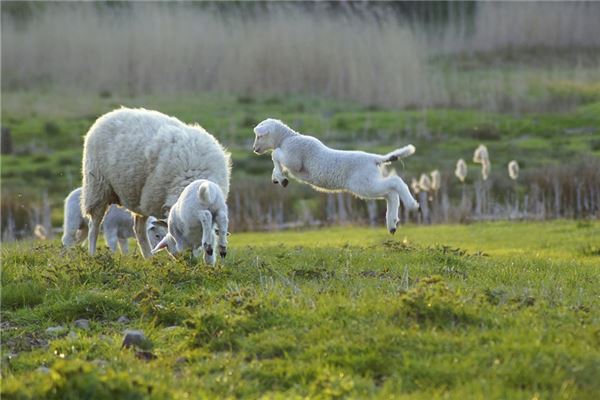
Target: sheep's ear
161,245
160,222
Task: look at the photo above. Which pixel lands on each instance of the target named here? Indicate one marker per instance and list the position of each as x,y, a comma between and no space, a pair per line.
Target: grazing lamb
200,206
143,160
117,225
308,160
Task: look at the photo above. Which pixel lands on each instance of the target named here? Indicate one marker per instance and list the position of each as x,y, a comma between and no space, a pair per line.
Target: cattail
40,232
513,170
414,185
481,154
486,167
461,170
436,180
425,183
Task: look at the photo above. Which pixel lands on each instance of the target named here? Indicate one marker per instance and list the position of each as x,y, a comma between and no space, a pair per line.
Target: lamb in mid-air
117,225
143,160
192,220
308,160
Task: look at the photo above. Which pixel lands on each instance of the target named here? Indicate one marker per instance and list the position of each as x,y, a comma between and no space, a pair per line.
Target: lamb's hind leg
139,229
376,187
391,214
398,185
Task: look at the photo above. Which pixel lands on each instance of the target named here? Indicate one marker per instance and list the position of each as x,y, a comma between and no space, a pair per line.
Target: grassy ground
502,310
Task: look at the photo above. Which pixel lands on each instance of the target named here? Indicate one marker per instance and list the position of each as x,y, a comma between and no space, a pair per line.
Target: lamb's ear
160,222
204,193
161,245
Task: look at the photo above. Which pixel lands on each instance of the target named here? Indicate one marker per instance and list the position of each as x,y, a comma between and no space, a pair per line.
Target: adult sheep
142,160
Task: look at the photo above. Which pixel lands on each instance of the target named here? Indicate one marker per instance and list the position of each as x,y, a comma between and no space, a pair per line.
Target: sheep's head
266,133
156,230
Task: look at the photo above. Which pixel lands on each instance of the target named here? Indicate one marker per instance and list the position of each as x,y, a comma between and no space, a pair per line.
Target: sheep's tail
397,154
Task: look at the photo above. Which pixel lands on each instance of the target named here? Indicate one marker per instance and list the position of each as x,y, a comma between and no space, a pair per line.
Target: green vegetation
48,137
502,310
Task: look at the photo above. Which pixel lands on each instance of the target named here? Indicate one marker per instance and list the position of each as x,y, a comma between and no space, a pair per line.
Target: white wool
308,160
513,170
200,206
143,160
461,170
436,180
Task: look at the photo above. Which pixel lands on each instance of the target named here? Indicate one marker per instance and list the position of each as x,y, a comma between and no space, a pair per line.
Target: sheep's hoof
284,182
208,248
393,230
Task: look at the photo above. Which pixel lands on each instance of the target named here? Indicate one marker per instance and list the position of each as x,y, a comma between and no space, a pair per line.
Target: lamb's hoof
208,248
284,182
393,230
223,251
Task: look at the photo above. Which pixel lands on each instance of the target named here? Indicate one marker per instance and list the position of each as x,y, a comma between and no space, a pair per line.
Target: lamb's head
169,243
268,134
156,230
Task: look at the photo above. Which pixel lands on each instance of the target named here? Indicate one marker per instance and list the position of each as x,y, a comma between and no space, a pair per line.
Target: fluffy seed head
436,180
481,154
461,170
414,185
486,168
425,183
513,170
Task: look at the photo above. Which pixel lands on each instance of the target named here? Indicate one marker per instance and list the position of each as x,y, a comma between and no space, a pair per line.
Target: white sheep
117,225
308,160
143,160
200,208
461,170
513,170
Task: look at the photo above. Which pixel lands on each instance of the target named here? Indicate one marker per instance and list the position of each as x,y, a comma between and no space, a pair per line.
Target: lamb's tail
397,154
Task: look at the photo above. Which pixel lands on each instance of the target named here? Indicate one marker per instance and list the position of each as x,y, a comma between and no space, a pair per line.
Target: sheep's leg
210,259
124,245
391,214
223,225
207,231
94,228
81,235
278,176
398,185
111,240
139,228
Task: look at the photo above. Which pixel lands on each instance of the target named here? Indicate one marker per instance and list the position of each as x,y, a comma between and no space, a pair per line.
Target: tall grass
370,57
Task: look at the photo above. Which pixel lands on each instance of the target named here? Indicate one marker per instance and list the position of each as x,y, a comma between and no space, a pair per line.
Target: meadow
488,310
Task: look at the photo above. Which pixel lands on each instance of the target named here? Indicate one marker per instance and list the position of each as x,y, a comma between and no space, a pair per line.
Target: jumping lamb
117,225
143,160
308,160
192,220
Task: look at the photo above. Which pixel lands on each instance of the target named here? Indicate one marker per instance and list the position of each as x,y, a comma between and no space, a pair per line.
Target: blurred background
522,79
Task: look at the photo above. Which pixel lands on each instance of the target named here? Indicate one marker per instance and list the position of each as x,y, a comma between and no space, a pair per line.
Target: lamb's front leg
223,226
278,176
207,231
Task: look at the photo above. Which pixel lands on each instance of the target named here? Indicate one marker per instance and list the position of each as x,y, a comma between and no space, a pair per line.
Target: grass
48,134
495,310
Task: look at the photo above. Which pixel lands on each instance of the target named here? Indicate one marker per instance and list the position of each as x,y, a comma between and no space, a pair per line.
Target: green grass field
498,310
